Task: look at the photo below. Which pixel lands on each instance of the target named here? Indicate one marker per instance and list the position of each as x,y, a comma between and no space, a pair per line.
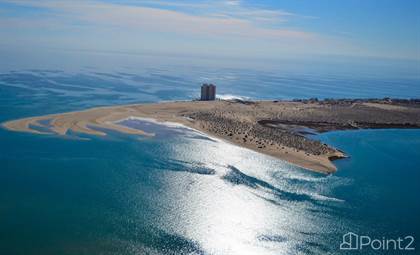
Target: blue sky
264,28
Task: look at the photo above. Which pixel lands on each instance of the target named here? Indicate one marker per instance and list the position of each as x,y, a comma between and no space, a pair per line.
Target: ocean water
185,193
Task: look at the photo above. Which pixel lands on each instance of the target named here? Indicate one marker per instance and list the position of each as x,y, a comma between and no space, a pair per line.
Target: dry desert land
276,128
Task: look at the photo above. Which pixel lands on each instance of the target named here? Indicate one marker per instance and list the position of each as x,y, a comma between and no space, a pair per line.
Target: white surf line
170,124
232,97
155,121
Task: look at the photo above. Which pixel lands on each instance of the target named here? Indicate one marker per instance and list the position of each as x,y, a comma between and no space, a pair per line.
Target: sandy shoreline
263,126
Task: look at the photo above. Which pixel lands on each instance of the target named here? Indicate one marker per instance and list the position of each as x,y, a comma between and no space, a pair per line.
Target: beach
275,128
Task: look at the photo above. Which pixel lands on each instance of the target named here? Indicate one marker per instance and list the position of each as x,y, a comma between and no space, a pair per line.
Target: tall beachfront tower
208,92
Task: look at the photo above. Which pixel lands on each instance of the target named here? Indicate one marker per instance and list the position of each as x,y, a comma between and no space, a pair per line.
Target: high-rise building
204,92
212,92
208,92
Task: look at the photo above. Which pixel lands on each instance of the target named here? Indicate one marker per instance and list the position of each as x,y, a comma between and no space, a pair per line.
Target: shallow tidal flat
276,128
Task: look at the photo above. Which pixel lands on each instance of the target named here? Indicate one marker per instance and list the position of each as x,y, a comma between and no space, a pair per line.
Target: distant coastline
276,128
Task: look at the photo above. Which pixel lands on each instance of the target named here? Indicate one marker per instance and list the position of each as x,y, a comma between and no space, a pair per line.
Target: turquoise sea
185,193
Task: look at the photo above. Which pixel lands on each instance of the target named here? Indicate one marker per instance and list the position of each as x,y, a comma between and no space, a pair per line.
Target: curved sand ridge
86,122
263,126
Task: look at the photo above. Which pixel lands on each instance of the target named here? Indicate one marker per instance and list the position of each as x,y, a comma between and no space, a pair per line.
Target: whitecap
232,97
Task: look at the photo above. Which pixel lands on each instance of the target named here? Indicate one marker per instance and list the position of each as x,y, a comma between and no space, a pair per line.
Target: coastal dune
276,128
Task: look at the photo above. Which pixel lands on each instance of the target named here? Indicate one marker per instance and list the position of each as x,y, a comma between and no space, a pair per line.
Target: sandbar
270,127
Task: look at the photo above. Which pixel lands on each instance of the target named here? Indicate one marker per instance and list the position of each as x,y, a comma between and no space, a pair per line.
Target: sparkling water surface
183,192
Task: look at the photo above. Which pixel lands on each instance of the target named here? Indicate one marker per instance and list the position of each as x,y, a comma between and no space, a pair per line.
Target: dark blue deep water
184,193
